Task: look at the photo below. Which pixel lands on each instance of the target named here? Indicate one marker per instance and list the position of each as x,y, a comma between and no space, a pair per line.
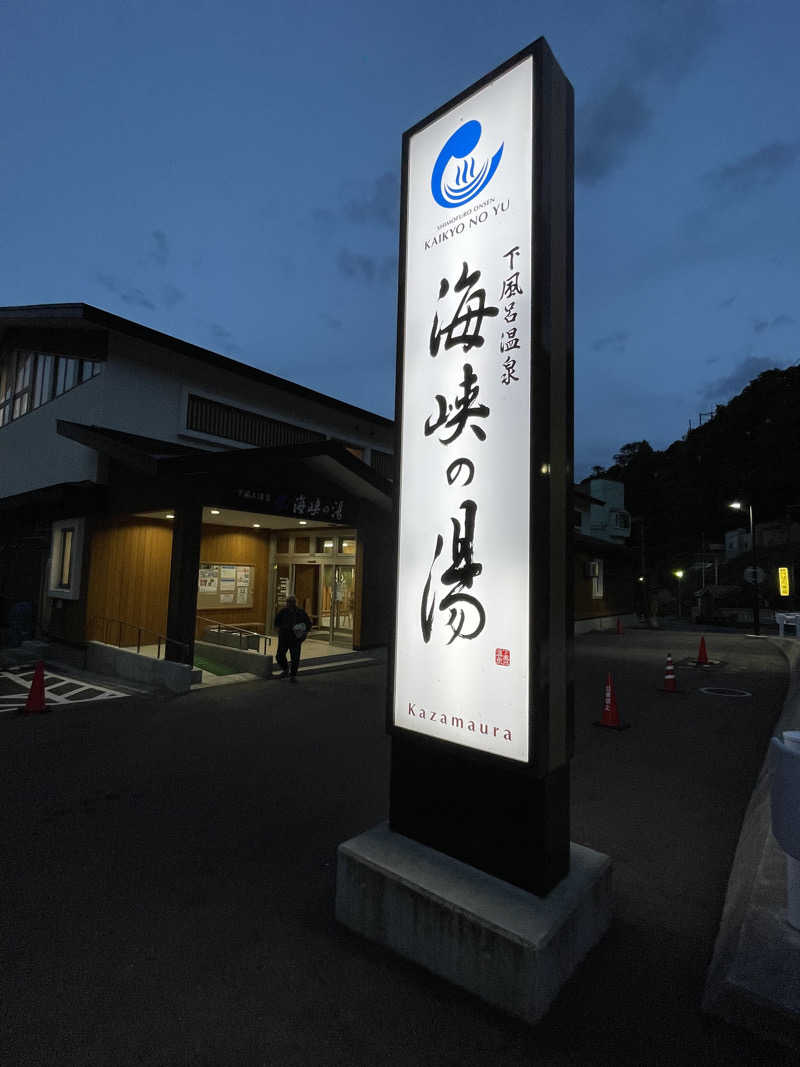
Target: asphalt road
167,884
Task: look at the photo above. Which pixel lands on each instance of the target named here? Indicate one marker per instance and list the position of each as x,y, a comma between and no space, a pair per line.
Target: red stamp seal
502,657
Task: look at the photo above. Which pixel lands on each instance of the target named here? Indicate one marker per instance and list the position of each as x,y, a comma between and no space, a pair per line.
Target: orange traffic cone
702,655
670,685
610,713
35,701
620,631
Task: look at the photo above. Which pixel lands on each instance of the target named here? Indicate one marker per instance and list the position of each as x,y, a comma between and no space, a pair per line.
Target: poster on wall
225,585
209,580
462,662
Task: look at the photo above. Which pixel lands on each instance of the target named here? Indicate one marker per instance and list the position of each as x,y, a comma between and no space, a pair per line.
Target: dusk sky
229,174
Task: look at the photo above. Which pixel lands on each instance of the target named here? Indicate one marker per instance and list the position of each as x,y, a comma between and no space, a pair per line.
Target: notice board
225,585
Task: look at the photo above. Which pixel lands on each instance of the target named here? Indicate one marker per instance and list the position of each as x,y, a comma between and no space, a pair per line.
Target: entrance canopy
320,479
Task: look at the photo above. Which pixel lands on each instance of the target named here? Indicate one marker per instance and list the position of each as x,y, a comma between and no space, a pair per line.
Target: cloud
367,268
619,113
783,320
615,342
753,171
759,325
727,303
171,295
127,294
607,127
331,320
222,337
743,373
379,205
159,251
323,217
675,37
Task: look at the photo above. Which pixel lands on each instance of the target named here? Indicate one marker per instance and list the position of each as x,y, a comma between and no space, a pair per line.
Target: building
604,569
151,490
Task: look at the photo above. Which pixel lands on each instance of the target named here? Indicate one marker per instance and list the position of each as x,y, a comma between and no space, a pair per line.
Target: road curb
754,976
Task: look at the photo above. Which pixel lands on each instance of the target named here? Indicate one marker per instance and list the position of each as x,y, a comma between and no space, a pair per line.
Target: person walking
293,625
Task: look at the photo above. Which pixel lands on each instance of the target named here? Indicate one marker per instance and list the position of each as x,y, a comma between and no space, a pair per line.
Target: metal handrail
139,631
238,629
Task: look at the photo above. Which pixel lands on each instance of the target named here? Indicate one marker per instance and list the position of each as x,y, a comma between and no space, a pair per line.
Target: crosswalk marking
58,688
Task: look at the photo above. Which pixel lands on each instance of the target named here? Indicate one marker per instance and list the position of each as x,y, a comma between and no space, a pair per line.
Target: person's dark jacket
287,619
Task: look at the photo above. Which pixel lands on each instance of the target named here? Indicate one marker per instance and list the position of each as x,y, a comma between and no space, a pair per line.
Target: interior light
170,515
302,522
329,544
257,525
215,511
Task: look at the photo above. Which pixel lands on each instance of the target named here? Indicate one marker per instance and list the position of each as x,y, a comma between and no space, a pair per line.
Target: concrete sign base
505,945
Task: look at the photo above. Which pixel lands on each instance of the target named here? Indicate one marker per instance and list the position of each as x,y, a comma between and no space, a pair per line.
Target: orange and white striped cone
670,684
610,712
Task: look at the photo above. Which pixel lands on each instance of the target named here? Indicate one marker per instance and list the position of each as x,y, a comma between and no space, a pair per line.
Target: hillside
749,450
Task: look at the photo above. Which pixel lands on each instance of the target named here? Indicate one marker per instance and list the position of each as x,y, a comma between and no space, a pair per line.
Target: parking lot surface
168,880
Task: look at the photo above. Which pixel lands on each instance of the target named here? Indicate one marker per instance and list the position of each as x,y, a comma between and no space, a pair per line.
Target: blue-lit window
29,379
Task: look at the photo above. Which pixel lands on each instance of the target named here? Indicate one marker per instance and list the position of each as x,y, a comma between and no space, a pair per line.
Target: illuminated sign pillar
480,694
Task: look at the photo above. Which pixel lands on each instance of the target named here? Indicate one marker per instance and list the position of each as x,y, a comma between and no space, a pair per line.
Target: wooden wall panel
235,544
128,577
129,574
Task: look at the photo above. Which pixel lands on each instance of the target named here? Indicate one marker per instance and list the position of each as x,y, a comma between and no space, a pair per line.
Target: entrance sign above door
462,667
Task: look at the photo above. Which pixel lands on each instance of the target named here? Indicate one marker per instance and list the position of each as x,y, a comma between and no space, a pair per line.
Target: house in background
604,569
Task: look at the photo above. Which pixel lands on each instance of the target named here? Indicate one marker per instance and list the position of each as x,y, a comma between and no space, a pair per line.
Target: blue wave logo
453,186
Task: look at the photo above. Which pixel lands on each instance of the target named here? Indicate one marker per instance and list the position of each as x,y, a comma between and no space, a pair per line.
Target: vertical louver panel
247,427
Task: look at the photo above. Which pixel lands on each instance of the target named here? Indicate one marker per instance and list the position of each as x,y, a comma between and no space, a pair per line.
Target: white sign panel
462,627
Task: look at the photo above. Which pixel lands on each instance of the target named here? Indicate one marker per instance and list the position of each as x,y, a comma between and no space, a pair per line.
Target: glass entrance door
338,602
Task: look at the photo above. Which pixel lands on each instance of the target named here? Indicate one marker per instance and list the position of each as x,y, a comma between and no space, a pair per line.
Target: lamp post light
740,505
679,576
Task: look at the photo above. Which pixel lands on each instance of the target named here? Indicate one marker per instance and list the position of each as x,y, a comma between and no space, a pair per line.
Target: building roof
83,315
163,459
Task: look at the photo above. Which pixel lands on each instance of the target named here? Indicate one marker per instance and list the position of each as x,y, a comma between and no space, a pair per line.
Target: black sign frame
504,816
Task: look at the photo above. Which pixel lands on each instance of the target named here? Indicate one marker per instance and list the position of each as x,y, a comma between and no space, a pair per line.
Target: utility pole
703,560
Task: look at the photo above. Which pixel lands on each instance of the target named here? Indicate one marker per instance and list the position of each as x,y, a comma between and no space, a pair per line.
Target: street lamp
740,505
679,575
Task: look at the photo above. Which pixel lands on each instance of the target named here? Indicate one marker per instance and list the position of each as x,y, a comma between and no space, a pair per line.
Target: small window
66,549
65,557
347,546
283,544
302,544
44,380
597,579
70,373
326,545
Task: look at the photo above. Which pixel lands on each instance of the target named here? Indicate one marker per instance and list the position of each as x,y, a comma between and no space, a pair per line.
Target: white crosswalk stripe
15,684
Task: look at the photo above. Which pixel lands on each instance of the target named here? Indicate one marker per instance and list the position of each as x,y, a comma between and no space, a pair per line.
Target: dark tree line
748,450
